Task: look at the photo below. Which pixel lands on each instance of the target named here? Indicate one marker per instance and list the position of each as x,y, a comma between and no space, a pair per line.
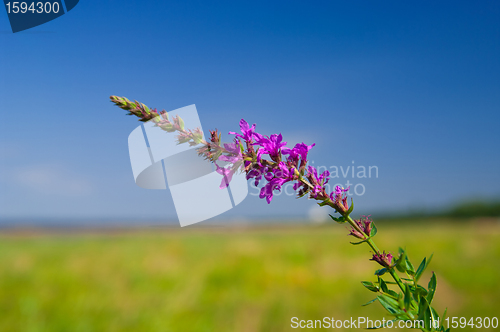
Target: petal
244,126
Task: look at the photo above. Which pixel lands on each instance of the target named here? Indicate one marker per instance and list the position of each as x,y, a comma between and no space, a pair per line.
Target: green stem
397,279
374,247
376,250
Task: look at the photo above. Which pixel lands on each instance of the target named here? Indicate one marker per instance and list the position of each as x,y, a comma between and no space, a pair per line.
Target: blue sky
410,87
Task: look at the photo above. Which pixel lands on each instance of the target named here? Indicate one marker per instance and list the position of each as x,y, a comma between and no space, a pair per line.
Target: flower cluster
268,157
365,225
339,199
383,259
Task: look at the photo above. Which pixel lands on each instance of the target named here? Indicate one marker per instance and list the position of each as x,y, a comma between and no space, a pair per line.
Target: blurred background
409,90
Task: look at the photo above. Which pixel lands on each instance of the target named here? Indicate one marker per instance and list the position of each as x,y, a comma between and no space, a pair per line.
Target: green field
229,279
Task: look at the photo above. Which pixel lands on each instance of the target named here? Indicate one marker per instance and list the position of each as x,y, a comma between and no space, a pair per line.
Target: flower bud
383,259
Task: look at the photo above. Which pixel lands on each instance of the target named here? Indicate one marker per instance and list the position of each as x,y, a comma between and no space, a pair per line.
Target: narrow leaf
419,290
370,286
422,307
383,285
373,232
407,300
339,219
409,266
350,208
356,243
434,314
392,293
432,288
389,304
401,262
369,302
421,269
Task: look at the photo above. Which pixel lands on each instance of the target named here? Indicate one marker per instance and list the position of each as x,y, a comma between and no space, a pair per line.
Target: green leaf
383,285
409,266
434,314
401,300
370,286
356,243
389,304
401,261
340,219
369,302
392,293
419,290
444,314
443,319
407,300
350,208
420,270
373,232
422,306
432,288
386,290
430,259
422,267
381,272
424,311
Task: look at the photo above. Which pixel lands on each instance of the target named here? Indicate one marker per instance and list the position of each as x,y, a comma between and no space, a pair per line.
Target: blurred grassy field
229,279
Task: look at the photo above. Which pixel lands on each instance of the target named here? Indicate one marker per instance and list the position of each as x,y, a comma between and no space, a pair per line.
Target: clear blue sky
410,87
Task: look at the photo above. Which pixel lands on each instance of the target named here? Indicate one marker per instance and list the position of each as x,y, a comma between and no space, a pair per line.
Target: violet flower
227,175
271,146
247,131
299,150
